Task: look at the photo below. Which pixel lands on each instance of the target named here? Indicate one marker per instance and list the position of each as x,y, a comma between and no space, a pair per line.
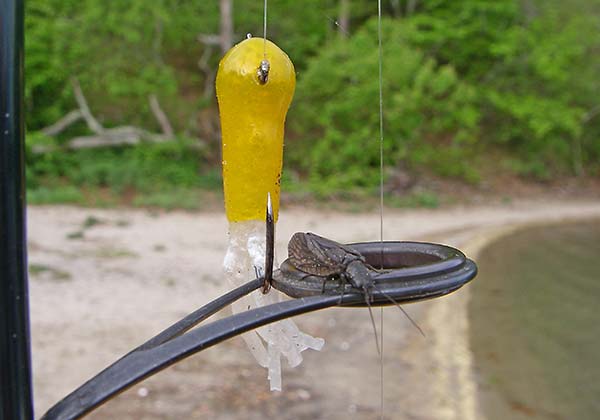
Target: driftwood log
105,137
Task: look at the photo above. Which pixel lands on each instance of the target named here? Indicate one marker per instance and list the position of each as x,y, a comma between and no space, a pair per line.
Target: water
535,313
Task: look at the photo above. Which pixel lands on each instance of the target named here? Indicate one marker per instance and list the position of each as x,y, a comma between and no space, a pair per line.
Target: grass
199,198
111,253
165,175
176,198
424,199
76,235
168,176
168,199
55,195
91,221
36,270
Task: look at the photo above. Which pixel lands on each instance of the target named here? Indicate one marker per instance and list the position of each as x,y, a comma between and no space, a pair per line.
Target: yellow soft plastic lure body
252,126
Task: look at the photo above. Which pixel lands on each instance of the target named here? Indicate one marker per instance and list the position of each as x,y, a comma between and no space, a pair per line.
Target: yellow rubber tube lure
255,85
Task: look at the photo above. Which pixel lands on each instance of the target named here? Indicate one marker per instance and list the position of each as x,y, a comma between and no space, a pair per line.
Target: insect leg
343,280
368,302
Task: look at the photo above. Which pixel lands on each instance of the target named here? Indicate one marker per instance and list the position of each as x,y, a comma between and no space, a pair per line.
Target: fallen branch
591,114
62,124
209,39
116,136
209,72
91,122
161,117
105,137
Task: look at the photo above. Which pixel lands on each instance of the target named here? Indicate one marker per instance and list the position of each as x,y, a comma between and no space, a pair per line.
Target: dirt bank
103,281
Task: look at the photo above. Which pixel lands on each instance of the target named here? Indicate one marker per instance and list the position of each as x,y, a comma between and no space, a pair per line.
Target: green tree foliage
124,50
460,79
463,33
426,107
113,48
143,171
514,78
544,88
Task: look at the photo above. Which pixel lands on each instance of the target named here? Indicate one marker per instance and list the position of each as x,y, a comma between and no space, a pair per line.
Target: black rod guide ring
412,271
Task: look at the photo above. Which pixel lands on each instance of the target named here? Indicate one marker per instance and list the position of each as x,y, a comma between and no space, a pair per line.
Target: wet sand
103,281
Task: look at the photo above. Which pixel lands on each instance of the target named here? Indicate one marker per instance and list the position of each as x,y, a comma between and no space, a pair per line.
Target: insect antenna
391,299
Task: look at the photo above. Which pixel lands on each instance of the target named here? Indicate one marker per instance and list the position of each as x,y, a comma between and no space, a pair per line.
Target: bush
335,119
461,79
143,168
540,94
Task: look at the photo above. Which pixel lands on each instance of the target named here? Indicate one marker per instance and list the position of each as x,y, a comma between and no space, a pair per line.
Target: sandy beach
103,281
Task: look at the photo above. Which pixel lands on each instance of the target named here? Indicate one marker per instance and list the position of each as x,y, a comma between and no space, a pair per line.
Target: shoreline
542,263
469,403
102,276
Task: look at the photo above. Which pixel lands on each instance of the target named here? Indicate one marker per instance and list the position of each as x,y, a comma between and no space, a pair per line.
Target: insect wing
334,250
309,256
320,256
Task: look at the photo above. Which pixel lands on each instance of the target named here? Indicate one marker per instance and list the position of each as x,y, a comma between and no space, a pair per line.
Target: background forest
121,105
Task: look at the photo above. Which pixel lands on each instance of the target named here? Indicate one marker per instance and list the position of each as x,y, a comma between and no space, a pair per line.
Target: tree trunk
411,6
396,10
226,35
344,18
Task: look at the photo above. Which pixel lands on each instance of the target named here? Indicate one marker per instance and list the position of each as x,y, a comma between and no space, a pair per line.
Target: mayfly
317,256
311,255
